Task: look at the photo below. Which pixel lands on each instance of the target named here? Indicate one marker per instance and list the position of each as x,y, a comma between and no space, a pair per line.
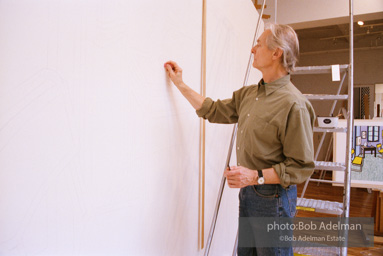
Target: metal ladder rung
338,129
317,69
319,206
326,97
315,250
331,166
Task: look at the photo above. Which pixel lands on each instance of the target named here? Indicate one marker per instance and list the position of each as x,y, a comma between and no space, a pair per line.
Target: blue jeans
269,200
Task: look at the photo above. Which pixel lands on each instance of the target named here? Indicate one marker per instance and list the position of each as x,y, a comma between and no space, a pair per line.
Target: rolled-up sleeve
298,147
222,111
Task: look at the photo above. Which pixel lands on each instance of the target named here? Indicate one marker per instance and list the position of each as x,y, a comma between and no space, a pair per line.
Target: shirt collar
275,85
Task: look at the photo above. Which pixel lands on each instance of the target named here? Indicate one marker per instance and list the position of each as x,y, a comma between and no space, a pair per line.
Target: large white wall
98,151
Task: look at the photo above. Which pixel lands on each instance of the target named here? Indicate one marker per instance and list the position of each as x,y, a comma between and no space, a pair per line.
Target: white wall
98,151
228,52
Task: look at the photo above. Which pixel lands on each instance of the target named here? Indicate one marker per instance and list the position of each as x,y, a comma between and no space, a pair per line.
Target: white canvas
98,151
231,28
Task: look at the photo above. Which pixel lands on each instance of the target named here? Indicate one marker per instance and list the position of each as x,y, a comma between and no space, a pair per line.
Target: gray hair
284,38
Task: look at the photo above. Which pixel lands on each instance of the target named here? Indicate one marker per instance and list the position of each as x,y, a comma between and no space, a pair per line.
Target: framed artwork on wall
364,134
358,140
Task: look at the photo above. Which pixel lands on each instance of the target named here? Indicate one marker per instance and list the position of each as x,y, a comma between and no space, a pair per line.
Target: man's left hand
239,177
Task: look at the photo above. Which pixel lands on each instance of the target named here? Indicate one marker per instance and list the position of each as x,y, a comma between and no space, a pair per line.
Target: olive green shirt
275,128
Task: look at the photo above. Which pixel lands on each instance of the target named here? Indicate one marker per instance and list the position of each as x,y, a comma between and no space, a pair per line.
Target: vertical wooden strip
366,107
201,200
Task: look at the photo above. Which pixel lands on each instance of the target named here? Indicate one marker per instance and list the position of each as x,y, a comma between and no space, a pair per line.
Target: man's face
262,54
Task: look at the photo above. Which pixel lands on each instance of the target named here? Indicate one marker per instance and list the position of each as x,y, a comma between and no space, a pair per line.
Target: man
275,131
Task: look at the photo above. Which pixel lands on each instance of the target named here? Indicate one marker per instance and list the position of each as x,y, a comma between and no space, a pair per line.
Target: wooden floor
361,205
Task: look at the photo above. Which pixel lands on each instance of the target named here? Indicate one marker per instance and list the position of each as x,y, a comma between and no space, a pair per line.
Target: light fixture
360,23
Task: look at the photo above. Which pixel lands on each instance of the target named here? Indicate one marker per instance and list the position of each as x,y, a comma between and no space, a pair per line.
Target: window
373,133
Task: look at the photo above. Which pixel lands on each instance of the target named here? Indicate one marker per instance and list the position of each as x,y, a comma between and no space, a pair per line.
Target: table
372,149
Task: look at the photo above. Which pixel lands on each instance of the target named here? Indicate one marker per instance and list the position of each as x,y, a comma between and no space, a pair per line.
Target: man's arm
220,111
239,176
175,74
298,147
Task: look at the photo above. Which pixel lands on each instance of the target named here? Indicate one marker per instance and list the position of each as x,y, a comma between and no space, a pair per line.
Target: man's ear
277,53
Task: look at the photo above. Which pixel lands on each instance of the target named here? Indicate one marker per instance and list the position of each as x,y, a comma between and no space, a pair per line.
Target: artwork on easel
367,153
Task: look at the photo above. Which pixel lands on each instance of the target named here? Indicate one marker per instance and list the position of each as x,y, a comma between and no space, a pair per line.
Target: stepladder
315,205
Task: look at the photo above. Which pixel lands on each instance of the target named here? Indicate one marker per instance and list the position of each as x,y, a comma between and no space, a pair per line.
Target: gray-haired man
275,131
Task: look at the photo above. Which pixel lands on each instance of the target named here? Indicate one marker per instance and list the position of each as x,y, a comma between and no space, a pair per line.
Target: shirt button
239,164
248,114
241,131
256,98
238,148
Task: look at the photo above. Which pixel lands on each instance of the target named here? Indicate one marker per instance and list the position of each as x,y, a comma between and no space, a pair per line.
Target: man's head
284,38
278,42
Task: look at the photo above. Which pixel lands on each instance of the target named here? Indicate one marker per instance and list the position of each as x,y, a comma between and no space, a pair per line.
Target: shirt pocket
264,138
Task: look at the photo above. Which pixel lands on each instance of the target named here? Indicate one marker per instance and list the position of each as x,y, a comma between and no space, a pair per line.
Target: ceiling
336,37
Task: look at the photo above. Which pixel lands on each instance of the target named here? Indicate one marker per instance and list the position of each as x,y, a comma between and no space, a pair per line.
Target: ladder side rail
350,116
220,193
350,126
235,245
249,65
304,188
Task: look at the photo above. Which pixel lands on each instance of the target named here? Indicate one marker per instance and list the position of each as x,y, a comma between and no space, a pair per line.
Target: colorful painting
367,153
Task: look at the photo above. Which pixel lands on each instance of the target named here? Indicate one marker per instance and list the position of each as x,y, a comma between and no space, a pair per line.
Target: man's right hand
174,72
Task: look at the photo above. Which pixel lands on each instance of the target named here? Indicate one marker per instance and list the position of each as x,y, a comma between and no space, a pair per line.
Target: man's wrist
255,178
181,85
261,179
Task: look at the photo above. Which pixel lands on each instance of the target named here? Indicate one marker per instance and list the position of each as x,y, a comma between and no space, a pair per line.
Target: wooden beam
201,196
